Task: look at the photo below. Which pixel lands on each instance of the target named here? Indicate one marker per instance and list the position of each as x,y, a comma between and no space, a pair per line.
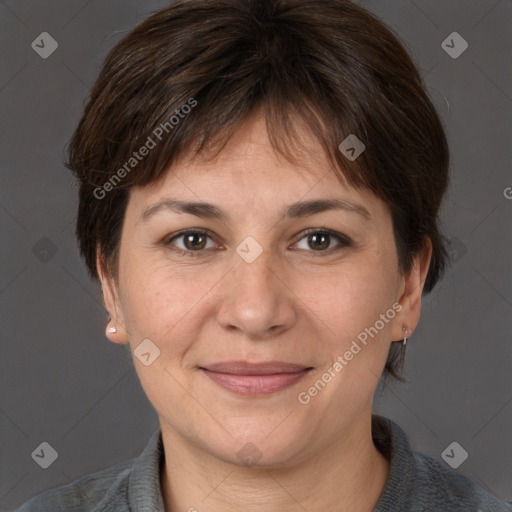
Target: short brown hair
330,63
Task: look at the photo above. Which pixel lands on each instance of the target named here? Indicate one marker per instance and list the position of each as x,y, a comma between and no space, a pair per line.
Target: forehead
249,173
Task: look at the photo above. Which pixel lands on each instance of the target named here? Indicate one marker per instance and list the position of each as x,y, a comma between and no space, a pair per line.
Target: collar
393,443
144,492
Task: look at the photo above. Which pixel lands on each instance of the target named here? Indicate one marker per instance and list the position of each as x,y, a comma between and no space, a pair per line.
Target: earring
112,329
406,331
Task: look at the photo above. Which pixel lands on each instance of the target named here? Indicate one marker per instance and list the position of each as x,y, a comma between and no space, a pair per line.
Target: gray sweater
416,482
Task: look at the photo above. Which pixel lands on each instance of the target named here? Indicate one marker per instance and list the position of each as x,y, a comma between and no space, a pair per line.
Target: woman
260,184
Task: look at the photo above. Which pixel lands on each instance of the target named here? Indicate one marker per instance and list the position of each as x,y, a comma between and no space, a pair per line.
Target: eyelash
343,239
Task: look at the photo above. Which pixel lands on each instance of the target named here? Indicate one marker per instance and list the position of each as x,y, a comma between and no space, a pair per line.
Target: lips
263,378
244,368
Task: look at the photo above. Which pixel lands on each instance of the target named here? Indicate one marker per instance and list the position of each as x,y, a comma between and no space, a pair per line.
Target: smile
255,379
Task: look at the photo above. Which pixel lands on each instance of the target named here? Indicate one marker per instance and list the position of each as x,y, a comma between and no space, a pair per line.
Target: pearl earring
112,330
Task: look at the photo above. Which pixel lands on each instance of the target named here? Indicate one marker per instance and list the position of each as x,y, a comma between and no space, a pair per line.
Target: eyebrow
296,210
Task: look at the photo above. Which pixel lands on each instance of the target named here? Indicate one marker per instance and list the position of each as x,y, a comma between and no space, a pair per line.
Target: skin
294,303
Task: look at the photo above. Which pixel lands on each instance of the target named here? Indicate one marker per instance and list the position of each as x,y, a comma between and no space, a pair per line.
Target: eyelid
167,241
344,240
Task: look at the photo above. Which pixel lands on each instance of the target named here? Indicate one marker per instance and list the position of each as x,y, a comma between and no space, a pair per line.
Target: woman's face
257,287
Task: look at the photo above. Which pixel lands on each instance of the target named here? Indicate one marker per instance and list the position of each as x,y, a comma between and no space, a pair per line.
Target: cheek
354,297
358,334
159,302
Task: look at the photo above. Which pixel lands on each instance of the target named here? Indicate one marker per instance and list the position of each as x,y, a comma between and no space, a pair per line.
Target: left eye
321,239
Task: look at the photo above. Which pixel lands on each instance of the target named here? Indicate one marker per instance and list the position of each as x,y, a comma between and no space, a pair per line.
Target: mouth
253,379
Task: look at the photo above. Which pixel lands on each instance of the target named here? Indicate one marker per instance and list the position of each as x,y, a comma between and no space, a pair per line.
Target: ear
112,303
410,300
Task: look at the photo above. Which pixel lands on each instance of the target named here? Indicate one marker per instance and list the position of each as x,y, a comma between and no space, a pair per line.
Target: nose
257,298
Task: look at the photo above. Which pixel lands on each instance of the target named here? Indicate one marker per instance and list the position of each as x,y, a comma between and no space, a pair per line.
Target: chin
260,448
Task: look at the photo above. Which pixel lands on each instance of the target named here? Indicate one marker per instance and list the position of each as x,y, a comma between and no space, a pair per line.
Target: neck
349,475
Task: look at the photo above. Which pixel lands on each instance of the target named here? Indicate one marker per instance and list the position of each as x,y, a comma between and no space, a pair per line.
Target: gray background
64,383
